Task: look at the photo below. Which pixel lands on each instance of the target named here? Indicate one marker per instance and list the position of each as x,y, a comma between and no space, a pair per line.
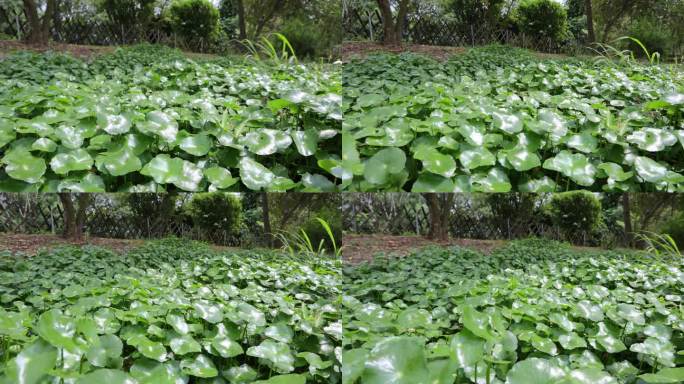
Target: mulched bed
360,248
31,244
82,51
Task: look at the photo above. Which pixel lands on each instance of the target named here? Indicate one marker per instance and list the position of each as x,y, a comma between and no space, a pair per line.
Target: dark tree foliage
194,20
575,8
481,14
542,19
129,14
576,211
216,211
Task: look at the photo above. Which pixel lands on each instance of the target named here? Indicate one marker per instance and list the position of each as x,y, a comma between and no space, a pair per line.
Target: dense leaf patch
168,312
533,312
498,120
149,119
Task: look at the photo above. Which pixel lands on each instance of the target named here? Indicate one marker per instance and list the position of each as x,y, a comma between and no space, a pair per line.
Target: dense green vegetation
499,119
149,119
534,311
168,312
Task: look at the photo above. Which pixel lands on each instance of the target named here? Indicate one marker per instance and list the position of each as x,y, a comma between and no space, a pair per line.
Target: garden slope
497,119
532,312
149,119
168,312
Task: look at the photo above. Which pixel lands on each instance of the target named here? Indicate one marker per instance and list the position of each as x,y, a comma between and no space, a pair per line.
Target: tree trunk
241,19
39,28
388,27
265,217
401,18
74,216
627,218
69,215
439,209
590,21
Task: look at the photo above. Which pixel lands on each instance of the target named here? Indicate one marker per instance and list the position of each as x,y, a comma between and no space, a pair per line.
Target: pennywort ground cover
498,119
531,313
168,313
150,119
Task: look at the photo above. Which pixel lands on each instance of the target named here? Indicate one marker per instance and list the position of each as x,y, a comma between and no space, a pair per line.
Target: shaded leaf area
532,312
170,311
498,119
148,119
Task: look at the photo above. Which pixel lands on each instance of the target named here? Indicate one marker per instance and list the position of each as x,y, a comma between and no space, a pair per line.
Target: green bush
216,211
317,233
542,19
651,34
156,207
575,212
675,228
483,14
128,14
304,37
194,20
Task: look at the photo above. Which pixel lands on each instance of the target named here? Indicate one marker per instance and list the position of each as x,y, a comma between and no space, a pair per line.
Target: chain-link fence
86,29
436,30
105,217
469,218
105,32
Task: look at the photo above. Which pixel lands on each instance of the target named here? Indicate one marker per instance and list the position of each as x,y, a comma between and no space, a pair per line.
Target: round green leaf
398,360
43,144
575,166
535,371
167,170
383,164
197,145
75,160
32,364
266,141
220,177
522,159
109,376
306,142
649,169
276,354
184,344
118,163
160,124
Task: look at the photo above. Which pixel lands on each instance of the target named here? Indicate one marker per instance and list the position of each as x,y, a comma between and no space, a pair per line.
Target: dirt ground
31,244
81,51
351,49
359,248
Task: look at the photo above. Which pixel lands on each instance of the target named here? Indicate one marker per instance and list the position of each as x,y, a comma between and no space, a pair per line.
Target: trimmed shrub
543,19
194,20
216,211
575,212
